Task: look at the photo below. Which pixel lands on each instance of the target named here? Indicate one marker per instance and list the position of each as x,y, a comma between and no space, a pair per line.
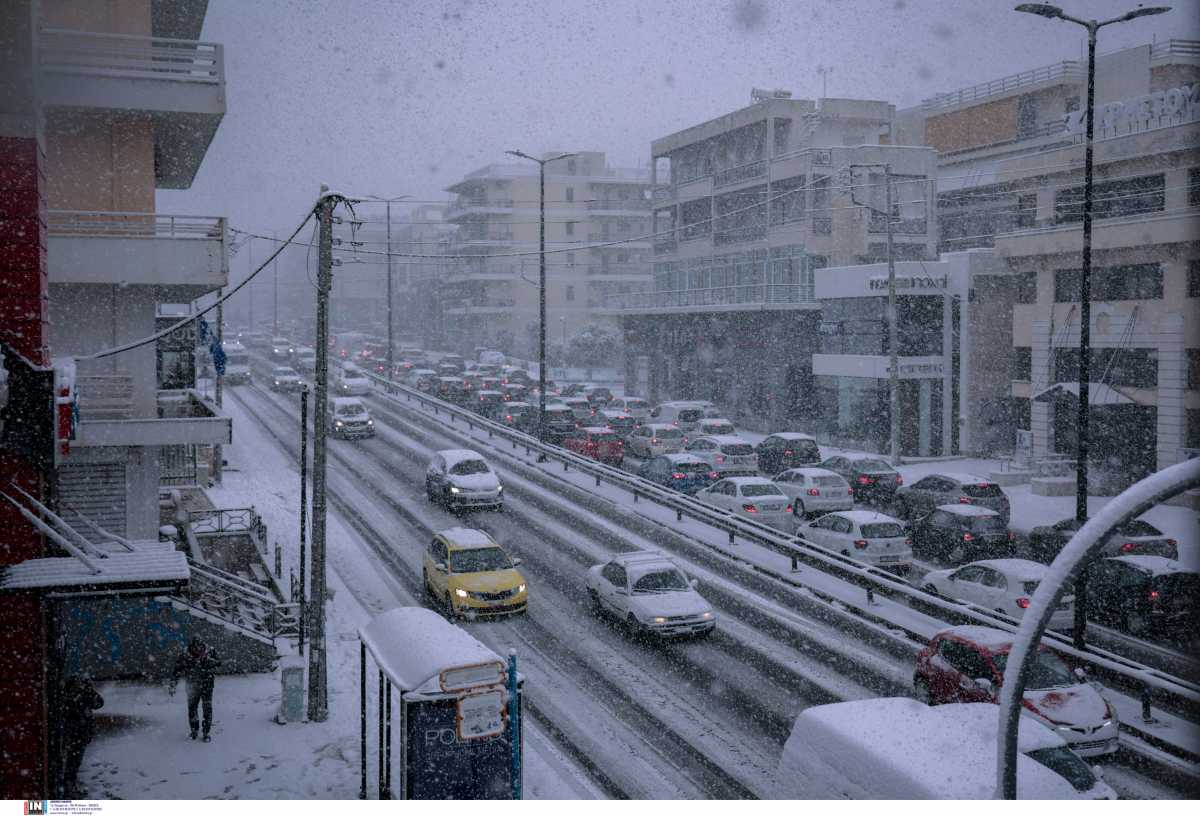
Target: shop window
570,194
1109,283
1022,363
570,227
570,294
1112,199
787,200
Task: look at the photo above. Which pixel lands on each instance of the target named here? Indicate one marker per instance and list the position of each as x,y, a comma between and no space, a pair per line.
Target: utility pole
391,362
303,511
275,295
250,258
220,342
318,685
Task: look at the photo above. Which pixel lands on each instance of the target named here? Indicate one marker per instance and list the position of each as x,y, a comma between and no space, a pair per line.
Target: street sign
460,678
481,715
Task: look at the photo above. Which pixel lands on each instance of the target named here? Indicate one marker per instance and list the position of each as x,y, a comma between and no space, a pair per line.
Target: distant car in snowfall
683,414
636,407
1004,585
715,426
957,533
282,348
784,450
306,359
965,664
352,382
619,422
918,499
557,421
486,402
1146,595
519,415
653,439
873,538
237,364
679,471
647,591
1134,537
459,478
285,378
874,481
814,490
596,443
751,497
580,407
349,418
727,455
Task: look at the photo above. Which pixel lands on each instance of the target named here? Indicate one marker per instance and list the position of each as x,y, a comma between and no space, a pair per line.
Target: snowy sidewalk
142,749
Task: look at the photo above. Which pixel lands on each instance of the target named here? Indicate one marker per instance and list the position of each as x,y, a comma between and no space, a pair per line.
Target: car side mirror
952,577
1098,770
440,566
695,582
516,562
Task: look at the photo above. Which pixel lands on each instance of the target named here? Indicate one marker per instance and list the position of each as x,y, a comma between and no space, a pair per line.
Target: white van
683,415
900,748
237,364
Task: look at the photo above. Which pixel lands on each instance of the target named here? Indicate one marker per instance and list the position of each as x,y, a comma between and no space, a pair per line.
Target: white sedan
751,497
863,535
1003,584
352,382
646,590
725,454
636,407
815,490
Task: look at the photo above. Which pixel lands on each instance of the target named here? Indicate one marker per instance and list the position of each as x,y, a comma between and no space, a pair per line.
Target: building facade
1010,176
747,207
593,214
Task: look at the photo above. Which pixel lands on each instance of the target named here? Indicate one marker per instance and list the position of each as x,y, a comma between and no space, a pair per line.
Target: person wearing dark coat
80,699
198,665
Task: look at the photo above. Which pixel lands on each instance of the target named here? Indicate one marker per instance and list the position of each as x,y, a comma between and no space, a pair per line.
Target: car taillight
712,474
861,544
1023,603
1154,596
1127,547
1172,542
812,491
678,475
653,440
864,480
908,542
749,508
899,479
675,422
850,491
788,509
1012,536
508,417
964,499
720,459
787,453
968,537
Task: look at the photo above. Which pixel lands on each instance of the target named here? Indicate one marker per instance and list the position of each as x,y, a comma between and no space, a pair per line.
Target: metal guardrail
131,57
1105,665
134,225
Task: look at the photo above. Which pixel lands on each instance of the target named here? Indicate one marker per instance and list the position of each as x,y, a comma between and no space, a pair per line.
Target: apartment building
746,207
422,231
1010,177
494,301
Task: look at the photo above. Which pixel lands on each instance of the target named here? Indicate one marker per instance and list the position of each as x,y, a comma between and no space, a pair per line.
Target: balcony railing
619,204
749,294
1066,71
745,172
1167,50
125,56
134,225
900,226
753,232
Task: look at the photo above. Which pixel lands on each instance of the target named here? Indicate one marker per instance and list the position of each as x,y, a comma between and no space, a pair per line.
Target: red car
965,664
600,444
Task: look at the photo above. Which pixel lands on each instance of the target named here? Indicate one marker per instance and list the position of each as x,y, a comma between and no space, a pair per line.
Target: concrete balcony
1109,233
184,418
479,208
179,83
184,252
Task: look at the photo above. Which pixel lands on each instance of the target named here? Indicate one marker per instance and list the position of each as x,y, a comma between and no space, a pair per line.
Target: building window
571,166
1027,114
1112,199
570,293
571,258
1129,367
1194,187
1027,287
570,194
1022,363
1193,374
1109,283
787,200
1192,440
570,227
1193,282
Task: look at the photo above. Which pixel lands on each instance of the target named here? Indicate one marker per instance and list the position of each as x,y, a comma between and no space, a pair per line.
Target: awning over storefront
1098,394
150,567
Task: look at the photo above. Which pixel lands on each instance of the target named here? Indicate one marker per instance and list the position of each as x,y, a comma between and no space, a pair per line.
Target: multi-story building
746,207
594,213
423,231
1010,176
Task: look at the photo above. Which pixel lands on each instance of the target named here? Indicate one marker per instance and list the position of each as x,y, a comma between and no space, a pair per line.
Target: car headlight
499,488
371,422
707,615
462,593
455,490
520,589
277,382
660,620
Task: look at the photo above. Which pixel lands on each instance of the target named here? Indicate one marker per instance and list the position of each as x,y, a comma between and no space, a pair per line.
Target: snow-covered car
1005,585
237,364
619,422
682,414
459,478
899,748
650,593
814,490
918,499
636,407
727,455
751,497
422,379
305,359
654,439
580,407
285,378
1134,537
957,533
352,382
282,348
710,410
873,538
715,426
787,449
965,664
349,418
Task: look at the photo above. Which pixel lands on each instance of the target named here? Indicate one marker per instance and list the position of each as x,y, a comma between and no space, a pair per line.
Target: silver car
727,455
753,498
866,536
815,490
653,440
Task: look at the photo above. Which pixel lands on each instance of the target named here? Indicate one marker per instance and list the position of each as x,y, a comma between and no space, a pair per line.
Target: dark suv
918,499
873,480
1134,537
1144,594
559,421
959,533
784,451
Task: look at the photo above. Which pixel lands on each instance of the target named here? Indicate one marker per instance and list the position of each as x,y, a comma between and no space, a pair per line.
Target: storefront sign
1178,105
908,370
912,282
876,366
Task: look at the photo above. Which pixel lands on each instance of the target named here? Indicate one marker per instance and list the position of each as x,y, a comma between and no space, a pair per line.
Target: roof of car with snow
742,481
986,636
345,402
467,538
726,439
455,455
413,646
683,459
282,370
714,421
965,478
791,435
813,471
615,413
682,404
597,429
866,517
1020,568
1155,564
967,510
661,426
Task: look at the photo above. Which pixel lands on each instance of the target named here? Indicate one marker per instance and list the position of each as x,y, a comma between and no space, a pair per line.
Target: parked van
900,748
683,415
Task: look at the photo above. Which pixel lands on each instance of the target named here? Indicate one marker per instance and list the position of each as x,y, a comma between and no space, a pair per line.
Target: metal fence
177,465
127,56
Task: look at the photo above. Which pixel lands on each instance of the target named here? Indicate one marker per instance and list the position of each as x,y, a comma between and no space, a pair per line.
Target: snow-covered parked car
864,535
649,592
462,478
753,498
352,382
1005,585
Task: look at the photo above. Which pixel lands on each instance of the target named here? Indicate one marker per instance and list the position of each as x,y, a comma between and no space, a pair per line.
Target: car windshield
882,529
1064,762
761,490
351,410
691,467
739,449
982,491
873,466
1046,670
669,433
669,580
636,404
988,524
828,481
690,415
468,467
284,372
483,559
719,428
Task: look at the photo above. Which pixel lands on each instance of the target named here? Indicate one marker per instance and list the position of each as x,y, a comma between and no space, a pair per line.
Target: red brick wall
23,286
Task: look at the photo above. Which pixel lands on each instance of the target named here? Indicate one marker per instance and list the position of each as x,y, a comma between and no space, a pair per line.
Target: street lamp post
541,282
391,361
1082,440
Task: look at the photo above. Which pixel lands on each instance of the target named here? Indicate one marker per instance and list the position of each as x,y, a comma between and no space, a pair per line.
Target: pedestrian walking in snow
198,665
80,699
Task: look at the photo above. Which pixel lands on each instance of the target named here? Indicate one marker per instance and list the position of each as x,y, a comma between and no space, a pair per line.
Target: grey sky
399,98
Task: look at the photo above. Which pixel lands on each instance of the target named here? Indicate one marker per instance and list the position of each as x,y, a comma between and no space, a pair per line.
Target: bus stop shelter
459,707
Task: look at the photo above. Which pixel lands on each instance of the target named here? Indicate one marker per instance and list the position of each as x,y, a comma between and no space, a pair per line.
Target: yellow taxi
472,575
